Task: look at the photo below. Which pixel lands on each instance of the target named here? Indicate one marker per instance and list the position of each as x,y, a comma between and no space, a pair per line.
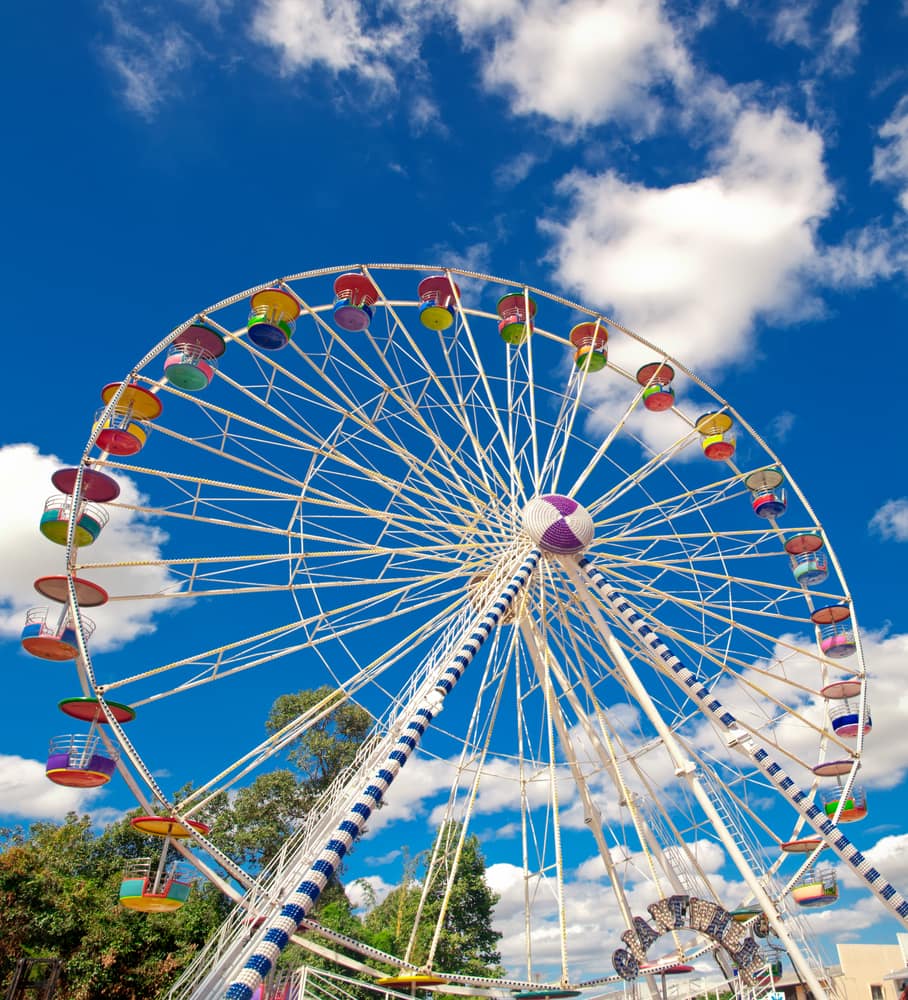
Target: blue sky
730,181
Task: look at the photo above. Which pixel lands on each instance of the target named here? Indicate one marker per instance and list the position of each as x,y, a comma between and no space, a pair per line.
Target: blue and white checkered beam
710,705
299,905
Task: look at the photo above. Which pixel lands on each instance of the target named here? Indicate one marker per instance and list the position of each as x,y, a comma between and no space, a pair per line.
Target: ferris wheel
433,489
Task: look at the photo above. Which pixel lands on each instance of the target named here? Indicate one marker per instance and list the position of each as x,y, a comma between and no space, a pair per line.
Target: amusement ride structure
432,489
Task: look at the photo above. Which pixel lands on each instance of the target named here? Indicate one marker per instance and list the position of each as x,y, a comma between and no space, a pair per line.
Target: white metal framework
348,511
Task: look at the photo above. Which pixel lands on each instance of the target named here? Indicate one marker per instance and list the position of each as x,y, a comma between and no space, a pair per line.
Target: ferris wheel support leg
673,668
275,937
539,652
685,768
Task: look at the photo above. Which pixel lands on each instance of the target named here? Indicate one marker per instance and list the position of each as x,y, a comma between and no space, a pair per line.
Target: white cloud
592,917
366,892
514,171
889,855
209,10
832,49
844,32
469,257
384,859
421,781
147,62
26,793
338,35
425,116
884,657
791,24
862,257
694,265
578,63
28,555
891,520
844,922
780,426
890,158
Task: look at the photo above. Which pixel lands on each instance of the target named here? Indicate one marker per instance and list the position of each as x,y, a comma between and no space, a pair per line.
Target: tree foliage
58,898
467,942
59,883
262,814
327,746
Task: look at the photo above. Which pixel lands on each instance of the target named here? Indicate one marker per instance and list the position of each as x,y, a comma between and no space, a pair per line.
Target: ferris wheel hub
558,524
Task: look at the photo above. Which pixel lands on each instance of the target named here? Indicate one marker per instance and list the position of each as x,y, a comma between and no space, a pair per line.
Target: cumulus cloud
338,35
579,63
884,656
891,520
780,426
365,893
844,922
592,916
889,854
28,555
696,264
26,793
420,784
575,62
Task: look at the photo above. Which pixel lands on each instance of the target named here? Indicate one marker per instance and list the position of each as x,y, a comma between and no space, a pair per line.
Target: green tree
262,815
468,943
327,746
59,883
58,898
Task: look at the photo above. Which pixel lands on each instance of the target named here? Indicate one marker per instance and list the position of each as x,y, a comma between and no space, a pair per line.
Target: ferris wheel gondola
400,473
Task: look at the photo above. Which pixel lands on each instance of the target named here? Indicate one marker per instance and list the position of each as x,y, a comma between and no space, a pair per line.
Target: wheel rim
388,468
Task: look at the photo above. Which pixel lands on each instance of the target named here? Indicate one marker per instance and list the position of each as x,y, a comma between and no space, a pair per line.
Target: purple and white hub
558,524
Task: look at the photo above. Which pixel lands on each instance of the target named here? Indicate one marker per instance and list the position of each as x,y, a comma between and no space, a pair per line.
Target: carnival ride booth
167,887
769,500
656,379
773,967
88,513
79,760
844,713
51,635
836,631
192,358
355,296
809,564
411,981
272,318
162,891
123,429
516,312
816,888
438,297
85,760
718,440
753,916
803,845
853,802
60,510
590,340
